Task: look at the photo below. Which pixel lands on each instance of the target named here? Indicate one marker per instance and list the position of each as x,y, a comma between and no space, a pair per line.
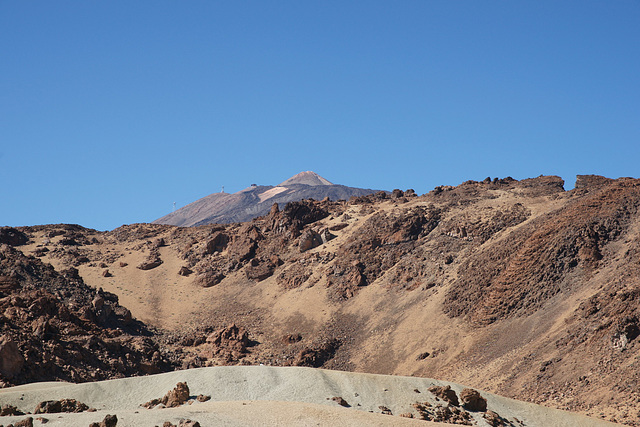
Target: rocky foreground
516,287
275,396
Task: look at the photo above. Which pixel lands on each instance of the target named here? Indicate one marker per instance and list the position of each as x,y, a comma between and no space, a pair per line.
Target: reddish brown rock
8,284
443,414
184,271
316,356
7,410
291,338
309,240
108,421
445,393
182,423
340,401
495,420
384,410
260,268
152,261
176,397
11,360
472,401
232,338
209,278
217,243
27,422
12,236
56,406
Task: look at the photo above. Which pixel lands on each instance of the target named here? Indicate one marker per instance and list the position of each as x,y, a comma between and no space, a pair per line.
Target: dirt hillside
516,287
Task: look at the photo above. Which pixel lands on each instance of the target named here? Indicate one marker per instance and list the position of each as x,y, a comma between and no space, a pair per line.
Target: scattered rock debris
443,414
27,422
9,410
340,401
385,410
108,421
57,406
182,423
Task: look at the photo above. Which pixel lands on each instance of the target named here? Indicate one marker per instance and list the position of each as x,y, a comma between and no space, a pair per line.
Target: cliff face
518,287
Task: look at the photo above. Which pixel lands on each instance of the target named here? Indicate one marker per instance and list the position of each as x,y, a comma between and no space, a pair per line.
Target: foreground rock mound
176,397
56,406
108,421
472,401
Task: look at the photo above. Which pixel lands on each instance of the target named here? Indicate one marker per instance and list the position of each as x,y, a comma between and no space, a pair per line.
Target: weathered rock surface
12,236
175,397
108,421
56,406
54,327
445,393
152,261
472,401
11,360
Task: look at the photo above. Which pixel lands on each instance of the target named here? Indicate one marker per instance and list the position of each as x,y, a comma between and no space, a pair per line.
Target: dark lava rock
445,393
472,401
13,237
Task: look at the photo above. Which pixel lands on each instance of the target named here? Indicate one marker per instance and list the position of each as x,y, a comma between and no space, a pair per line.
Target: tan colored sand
269,396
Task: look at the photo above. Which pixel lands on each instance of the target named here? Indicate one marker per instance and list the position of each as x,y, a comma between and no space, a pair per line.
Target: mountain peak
307,178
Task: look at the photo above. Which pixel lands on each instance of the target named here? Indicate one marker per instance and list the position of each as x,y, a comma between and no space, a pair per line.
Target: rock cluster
175,397
178,396
56,406
108,421
54,327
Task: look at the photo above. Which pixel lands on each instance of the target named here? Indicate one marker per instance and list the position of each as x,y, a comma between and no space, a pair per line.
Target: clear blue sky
110,111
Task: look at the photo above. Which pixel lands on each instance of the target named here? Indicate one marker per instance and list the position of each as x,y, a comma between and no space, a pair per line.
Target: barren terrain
519,288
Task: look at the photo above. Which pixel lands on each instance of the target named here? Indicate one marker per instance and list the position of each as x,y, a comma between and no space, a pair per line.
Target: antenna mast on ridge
223,188
174,206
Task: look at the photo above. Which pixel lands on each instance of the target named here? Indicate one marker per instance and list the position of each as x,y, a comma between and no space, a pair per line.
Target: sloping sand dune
268,396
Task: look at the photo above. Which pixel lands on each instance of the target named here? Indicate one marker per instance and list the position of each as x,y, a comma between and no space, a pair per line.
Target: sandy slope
261,395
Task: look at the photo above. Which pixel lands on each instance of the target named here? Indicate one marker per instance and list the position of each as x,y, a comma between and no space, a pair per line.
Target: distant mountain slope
256,200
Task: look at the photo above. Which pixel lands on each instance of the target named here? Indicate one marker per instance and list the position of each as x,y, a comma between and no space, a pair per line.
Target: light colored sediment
262,395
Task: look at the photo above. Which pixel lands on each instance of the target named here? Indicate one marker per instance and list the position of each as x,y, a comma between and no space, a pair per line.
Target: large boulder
445,393
176,397
13,237
11,360
309,240
262,268
472,401
217,243
209,278
57,406
152,261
